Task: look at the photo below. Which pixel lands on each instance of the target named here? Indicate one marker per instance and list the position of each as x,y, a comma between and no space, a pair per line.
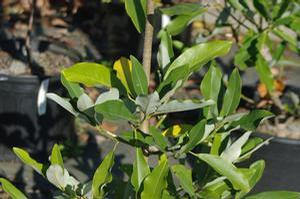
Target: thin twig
28,36
147,51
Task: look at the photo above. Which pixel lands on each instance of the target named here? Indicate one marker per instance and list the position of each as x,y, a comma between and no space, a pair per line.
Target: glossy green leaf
148,104
115,110
156,181
251,120
253,174
186,13
246,55
286,36
63,103
56,157
233,152
139,77
123,68
90,74
279,8
137,139
185,178
60,177
165,52
275,195
210,87
262,8
216,189
11,190
84,102
217,142
248,154
74,89
25,158
136,9
140,170
264,73
174,81
181,9
178,106
158,138
232,95
112,94
226,169
196,135
103,175
251,143
196,56
258,167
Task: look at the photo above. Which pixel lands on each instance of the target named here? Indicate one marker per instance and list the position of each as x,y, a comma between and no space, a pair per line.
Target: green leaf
210,88
246,55
103,175
232,95
112,94
136,9
186,13
156,181
216,189
195,57
251,121
11,190
165,52
196,135
292,40
148,104
158,138
178,106
60,177
264,73
90,74
74,89
25,157
262,8
140,170
233,152
123,67
115,110
63,103
279,9
227,169
275,195
56,157
175,80
248,154
137,139
139,77
84,102
181,9
258,168
185,178
217,142
252,142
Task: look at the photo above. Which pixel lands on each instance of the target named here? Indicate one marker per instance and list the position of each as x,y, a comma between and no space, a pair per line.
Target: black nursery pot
20,124
282,170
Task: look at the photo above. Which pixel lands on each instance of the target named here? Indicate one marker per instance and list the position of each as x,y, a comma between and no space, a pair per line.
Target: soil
289,129
63,34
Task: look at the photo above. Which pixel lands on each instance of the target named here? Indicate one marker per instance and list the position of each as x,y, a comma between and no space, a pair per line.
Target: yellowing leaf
123,67
176,130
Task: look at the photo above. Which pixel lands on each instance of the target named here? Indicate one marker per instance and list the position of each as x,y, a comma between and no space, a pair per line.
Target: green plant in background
201,159
271,27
